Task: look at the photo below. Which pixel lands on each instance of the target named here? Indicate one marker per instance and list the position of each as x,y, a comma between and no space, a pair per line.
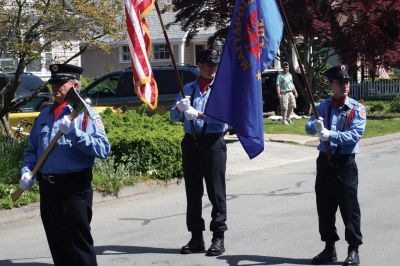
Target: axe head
76,101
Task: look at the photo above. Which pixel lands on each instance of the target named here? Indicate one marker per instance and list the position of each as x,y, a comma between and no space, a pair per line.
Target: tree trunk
6,126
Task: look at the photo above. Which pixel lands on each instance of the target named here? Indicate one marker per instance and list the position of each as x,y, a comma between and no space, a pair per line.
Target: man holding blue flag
203,157
250,47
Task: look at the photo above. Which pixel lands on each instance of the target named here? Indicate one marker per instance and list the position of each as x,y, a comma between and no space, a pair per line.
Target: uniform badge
362,113
54,68
99,123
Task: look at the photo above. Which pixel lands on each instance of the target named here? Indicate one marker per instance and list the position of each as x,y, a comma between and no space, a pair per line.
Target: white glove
183,104
26,181
319,124
191,113
324,134
66,125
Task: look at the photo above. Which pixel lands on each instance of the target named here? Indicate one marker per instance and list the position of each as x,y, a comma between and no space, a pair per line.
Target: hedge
142,147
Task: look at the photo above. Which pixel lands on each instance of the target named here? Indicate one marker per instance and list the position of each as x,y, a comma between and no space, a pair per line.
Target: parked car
270,99
31,96
31,93
116,89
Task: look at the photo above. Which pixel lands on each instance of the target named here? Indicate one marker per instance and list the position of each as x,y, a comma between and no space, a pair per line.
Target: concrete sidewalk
277,152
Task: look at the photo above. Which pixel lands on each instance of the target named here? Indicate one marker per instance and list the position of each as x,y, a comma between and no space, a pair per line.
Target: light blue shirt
285,82
199,103
354,126
73,152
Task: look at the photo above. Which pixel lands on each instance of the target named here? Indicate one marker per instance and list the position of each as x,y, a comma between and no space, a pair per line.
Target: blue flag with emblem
250,47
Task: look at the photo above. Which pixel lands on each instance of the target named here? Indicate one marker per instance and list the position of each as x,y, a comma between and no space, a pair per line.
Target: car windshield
29,84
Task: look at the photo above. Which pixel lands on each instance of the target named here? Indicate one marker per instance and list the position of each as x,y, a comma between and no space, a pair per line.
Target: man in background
286,92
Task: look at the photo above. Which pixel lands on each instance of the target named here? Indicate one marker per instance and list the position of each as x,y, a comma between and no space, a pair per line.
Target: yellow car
21,123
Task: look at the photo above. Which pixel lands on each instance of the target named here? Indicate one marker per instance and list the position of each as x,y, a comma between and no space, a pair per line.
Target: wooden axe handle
43,157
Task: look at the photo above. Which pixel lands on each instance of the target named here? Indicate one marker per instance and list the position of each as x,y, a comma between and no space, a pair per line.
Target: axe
78,106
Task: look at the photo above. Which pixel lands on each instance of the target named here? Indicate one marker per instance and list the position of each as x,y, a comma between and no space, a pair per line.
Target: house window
125,56
160,52
48,59
34,66
6,64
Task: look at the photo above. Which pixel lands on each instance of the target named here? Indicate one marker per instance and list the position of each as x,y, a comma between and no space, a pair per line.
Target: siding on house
96,64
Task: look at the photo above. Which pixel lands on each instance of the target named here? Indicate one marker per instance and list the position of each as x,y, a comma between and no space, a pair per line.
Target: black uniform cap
209,56
64,72
337,72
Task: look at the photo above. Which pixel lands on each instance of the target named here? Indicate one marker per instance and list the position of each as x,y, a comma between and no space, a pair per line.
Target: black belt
205,136
62,178
339,157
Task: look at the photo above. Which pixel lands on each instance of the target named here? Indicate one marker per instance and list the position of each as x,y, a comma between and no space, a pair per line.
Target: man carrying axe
65,175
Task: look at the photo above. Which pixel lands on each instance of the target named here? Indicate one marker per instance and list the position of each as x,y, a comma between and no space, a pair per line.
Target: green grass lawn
377,125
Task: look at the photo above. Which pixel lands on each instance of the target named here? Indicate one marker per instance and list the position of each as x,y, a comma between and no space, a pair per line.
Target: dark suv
270,99
116,89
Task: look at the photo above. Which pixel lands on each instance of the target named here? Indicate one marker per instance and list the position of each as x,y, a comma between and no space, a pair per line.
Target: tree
368,33
310,22
193,15
28,28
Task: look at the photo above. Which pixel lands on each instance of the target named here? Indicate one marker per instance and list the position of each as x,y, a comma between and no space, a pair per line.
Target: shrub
109,177
152,142
85,81
394,106
377,107
27,197
142,146
10,164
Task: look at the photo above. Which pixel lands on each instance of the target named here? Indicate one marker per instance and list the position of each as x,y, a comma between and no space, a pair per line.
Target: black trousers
66,211
205,158
336,186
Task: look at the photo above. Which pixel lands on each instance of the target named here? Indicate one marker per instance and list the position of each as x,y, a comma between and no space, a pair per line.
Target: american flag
382,72
140,49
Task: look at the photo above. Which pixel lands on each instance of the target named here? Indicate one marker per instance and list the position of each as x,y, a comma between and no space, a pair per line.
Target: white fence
384,89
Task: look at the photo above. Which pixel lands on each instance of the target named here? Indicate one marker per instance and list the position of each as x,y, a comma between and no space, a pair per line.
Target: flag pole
303,72
178,77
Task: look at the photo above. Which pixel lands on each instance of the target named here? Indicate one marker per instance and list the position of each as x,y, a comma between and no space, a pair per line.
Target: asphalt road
272,216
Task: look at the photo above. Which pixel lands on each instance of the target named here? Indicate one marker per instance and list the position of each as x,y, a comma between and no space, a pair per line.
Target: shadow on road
252,260
115,250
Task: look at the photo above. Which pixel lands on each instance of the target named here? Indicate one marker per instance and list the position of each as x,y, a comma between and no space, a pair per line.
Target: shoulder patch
99,123
362,112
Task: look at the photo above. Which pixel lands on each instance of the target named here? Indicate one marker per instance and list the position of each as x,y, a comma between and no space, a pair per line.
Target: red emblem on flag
140,48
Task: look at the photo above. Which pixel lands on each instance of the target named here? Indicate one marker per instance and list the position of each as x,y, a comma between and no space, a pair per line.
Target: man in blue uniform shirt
65,177
340,127
203,156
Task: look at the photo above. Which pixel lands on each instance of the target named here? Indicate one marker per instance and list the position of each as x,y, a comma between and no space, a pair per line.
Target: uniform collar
339,102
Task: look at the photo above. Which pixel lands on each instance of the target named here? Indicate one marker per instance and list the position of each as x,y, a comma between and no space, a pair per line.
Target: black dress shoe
217,247
193,246
326,256
352,258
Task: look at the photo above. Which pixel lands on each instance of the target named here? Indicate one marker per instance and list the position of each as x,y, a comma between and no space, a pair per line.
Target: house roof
175,34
